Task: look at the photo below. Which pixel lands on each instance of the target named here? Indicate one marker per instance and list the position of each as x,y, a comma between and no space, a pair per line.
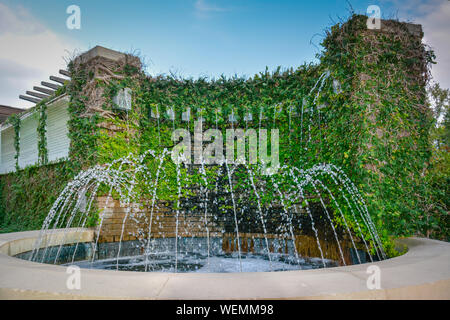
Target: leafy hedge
27,195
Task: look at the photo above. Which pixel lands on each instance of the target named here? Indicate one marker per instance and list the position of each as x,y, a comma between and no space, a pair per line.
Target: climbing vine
41,131
27,195
381,121
82,130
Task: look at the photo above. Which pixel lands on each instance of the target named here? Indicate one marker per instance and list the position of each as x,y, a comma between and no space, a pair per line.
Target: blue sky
187,37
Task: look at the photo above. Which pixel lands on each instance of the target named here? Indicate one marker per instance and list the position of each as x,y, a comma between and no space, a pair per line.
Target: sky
190,38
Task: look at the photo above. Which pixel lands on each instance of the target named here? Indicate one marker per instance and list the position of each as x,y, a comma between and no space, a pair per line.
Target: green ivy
83,131
27,195
41,131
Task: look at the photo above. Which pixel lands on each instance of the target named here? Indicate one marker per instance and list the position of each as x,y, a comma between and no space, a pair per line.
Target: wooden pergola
6,111
48,89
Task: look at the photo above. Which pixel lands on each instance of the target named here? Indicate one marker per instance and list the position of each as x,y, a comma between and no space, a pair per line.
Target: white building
57,138
57,131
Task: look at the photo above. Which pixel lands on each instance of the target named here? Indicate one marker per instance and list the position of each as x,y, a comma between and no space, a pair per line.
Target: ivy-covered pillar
104,124
102,105
380,121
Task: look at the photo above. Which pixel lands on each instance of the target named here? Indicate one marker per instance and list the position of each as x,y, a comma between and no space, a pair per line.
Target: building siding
7,151
29,141
58,141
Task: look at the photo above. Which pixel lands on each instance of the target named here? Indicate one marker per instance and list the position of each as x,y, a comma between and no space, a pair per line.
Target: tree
437,209
440,104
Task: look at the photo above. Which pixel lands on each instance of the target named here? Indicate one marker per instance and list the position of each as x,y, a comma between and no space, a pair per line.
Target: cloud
436,27
30,54
434,16
13,21
203,9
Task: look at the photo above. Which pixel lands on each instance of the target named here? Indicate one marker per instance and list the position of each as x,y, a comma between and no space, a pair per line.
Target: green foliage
378,128
27,195
42,136
83,131
277,96
93,219
435,217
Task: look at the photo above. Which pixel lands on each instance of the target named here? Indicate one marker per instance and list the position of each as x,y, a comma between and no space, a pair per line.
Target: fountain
233,219
227,230
236,228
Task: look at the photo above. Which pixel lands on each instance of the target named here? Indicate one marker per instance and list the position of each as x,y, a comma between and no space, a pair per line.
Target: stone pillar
98,76
381,119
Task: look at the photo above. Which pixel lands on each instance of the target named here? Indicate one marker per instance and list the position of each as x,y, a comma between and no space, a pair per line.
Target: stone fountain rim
422,273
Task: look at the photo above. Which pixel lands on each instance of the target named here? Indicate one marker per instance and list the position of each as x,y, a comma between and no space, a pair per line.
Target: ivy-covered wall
379,128
362,108
28,193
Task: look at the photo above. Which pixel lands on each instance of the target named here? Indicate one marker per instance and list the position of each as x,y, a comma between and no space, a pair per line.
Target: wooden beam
6,111
64,73
11,109
51,85
58,79
44,90
29,99
38,95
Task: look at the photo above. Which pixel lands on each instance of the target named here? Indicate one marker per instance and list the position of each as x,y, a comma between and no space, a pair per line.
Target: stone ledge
99,51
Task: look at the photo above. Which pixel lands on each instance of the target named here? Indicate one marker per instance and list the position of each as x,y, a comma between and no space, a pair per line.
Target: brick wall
135,220
193,225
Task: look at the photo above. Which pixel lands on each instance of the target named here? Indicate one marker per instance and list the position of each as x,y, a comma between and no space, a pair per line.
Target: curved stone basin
422,273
